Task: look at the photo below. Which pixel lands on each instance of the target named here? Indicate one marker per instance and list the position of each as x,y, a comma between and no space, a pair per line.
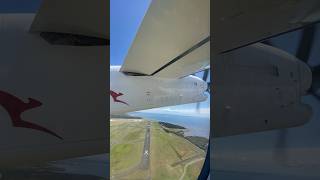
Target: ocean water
195,125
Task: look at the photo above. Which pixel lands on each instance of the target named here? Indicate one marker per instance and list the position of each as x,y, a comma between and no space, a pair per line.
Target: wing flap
195,61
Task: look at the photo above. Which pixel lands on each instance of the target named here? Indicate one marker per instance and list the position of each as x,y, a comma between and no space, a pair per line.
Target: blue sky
125,19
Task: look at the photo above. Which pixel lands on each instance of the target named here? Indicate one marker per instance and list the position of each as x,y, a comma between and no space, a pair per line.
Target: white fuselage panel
133,93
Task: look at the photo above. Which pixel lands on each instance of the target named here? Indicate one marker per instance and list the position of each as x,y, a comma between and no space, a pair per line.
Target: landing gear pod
258,88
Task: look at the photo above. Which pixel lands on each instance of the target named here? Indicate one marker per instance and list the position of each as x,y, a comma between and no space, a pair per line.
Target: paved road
145,158
197,156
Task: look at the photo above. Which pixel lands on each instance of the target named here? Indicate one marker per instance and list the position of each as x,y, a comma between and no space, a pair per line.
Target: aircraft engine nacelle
258,88
53,98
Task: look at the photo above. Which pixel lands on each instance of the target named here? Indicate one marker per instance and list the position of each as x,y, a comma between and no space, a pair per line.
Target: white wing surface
173,40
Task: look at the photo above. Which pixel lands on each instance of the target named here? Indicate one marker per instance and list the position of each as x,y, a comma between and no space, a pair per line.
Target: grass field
171,156
168,150
126,144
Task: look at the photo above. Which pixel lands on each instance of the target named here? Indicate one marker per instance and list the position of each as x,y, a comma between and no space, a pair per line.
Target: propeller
303,53
205,75
280,152
204,78
315,87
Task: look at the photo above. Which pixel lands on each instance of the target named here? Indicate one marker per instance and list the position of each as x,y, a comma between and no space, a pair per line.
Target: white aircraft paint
133,93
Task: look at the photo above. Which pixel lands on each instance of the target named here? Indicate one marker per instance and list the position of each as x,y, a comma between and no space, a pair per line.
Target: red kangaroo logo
115,96
15,107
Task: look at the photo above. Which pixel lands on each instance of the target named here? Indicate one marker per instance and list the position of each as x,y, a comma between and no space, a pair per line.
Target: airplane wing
165,43
237,23
89,18
173,40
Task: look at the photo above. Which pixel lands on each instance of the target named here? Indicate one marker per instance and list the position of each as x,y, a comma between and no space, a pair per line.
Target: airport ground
142,149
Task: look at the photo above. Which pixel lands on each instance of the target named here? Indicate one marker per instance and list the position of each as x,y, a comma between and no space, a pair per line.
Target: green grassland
167,151
192,170
171,156
126,144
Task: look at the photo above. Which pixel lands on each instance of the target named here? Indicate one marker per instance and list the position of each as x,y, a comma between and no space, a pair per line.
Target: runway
145,158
